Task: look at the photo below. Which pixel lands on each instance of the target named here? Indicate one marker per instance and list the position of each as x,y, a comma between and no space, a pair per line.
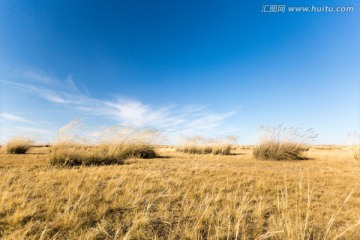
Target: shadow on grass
36,153
165,157
299,159
235,154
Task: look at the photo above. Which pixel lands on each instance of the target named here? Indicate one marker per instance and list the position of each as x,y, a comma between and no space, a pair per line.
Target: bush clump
355,140
109,146
68,154
18,145
200,145
283,143
357,153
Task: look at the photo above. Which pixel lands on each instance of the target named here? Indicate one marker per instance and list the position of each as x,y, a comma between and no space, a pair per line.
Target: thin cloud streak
37,77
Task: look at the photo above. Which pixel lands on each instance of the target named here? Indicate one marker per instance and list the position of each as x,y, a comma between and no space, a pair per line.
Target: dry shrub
354,138
357,153
283,143
356,141
18,145
106,146
200,145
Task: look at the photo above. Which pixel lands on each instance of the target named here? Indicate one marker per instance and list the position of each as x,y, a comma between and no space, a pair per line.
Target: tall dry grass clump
283,143
357,148
354,140
18,145
201,145
75,146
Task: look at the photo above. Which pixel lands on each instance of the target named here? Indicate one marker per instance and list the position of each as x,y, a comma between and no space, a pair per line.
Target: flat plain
182,196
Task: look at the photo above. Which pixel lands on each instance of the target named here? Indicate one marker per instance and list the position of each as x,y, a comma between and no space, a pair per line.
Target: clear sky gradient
213,68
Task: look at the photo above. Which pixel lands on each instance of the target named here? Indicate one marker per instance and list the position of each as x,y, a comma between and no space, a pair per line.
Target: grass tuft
18,145
200,145
283,143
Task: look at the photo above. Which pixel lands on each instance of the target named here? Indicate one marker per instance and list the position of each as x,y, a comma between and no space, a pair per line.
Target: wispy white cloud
14,118
184,120
37,76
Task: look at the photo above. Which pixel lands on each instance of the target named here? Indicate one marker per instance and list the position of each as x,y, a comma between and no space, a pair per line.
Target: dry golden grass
200,145
283,143
18,145
182,196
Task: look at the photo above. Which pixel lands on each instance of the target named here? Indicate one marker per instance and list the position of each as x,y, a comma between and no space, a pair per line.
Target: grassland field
182,196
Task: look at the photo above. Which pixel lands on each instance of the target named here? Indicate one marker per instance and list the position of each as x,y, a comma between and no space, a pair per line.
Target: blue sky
213,68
